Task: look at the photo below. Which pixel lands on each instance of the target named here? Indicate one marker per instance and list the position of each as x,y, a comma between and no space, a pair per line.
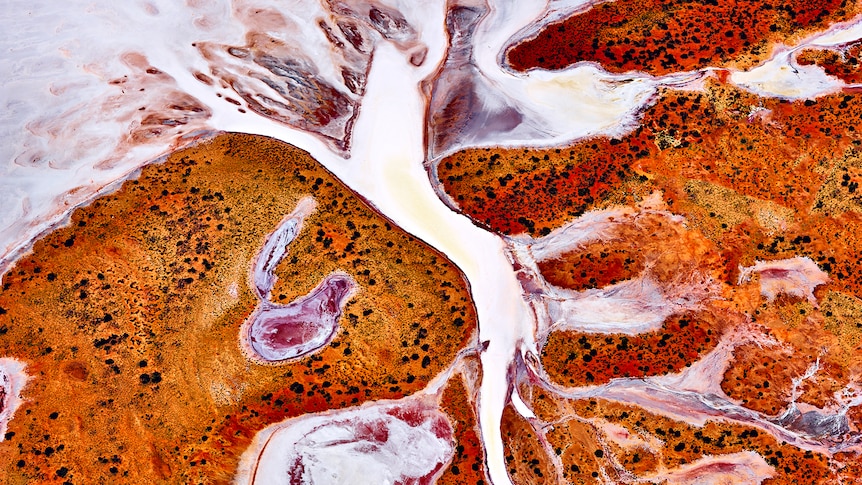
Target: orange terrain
128,319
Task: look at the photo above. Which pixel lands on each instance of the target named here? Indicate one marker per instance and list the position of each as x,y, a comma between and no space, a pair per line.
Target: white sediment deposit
93,90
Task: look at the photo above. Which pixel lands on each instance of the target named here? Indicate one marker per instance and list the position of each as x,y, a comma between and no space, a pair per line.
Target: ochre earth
656,440
526,460
579,359
128,319
760,177
667,36
843,64
468,464
755,179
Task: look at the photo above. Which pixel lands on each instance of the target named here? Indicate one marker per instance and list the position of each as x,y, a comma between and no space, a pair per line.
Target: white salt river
64,127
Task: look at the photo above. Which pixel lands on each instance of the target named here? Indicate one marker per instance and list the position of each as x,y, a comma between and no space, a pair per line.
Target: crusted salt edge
780,76
276,333
839,34
12,381
796,277
632,306
248,123
596,225
537,108
694,396
830,420
520,406
386,170
742,468
408,438
77,117
623,438
403,441
261,275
